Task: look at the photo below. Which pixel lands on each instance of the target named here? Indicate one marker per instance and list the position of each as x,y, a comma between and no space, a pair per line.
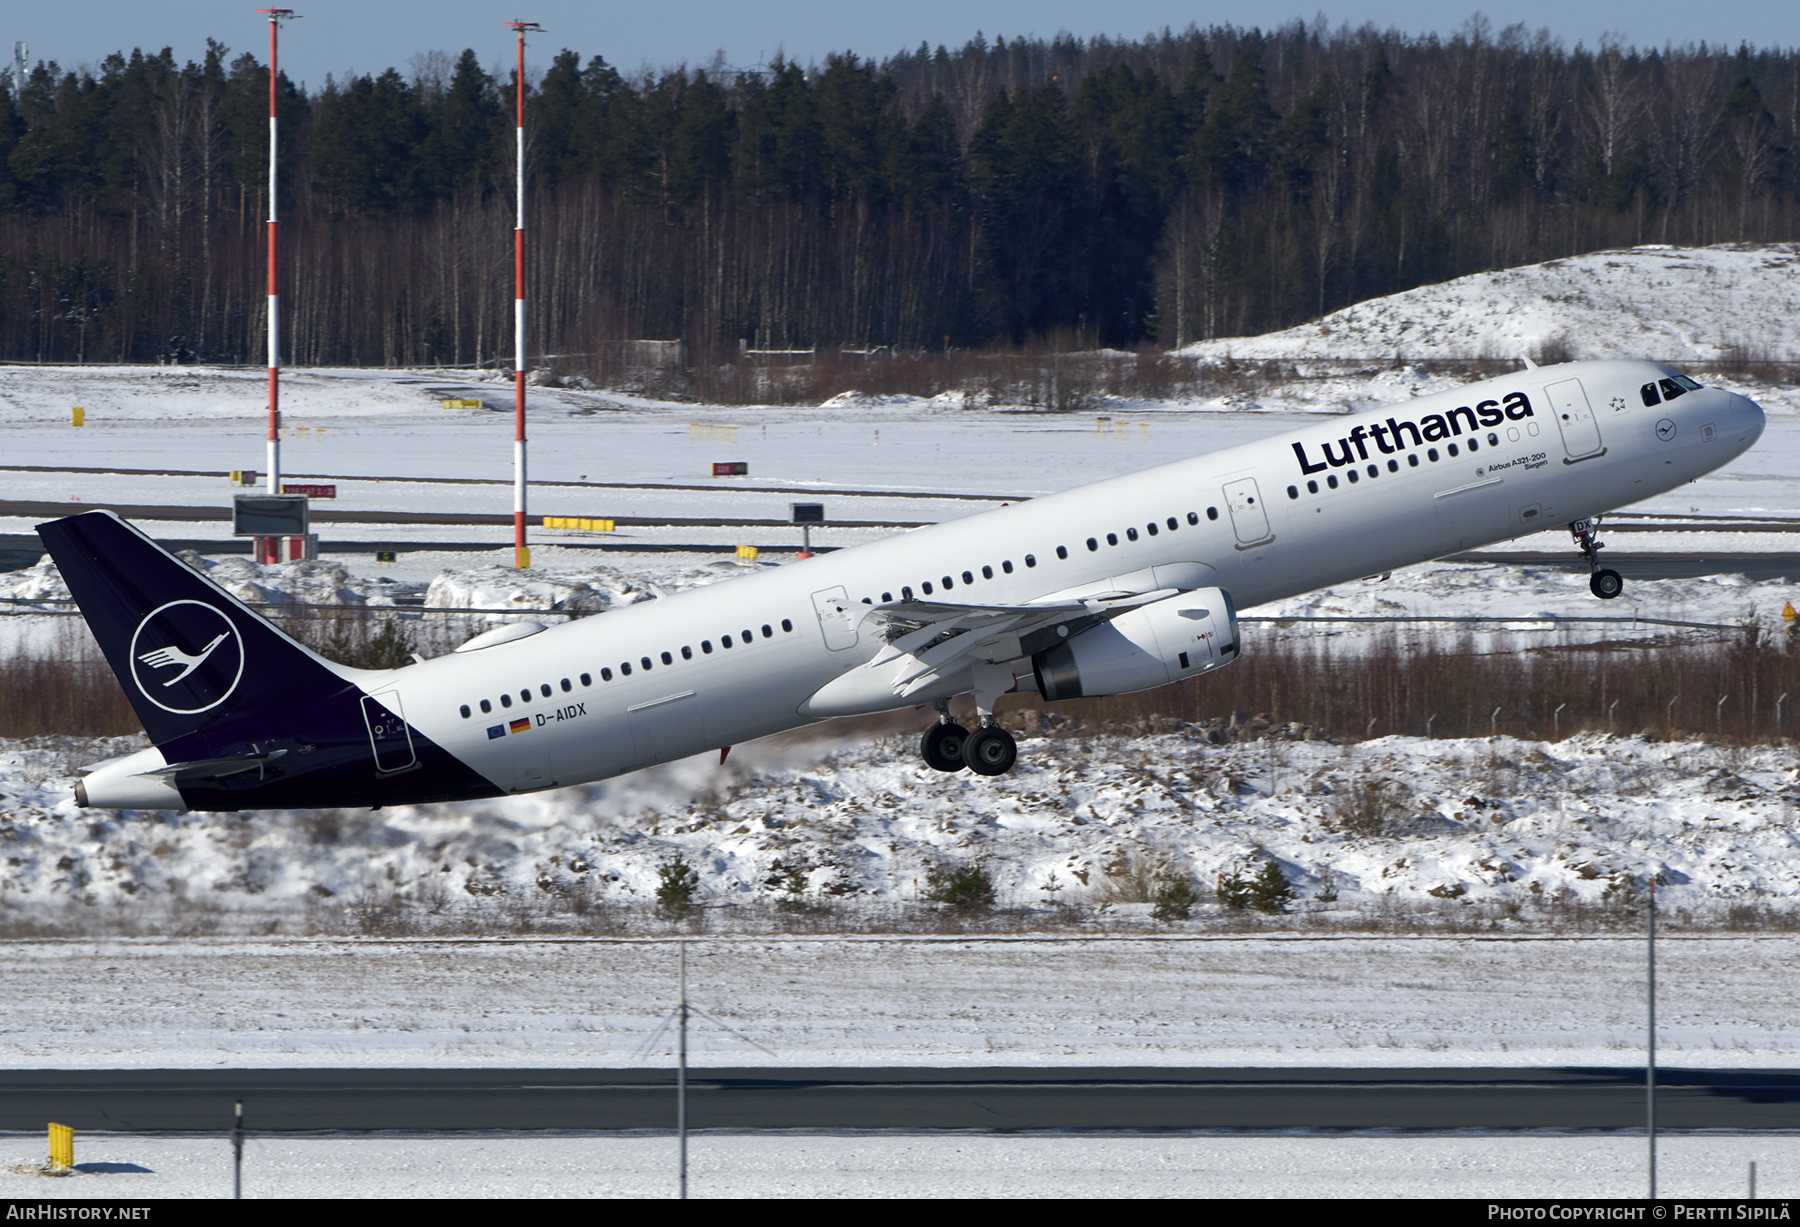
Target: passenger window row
947,583
645,663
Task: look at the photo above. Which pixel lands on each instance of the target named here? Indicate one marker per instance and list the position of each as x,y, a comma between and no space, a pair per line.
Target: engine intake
1153,645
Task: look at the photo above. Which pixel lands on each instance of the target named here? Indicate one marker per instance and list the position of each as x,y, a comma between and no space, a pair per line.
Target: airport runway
989,1100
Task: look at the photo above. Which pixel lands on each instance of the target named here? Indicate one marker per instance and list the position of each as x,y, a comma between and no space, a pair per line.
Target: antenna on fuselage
1529,364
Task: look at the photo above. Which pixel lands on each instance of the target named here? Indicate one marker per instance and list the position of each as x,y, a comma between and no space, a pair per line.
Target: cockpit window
1676,385
1650,395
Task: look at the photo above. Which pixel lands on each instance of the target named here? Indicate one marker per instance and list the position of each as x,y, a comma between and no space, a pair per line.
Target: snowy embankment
1672,304
1496,830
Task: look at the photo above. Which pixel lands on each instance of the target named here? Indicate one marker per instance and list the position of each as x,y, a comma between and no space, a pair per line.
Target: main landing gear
1604,582
947,746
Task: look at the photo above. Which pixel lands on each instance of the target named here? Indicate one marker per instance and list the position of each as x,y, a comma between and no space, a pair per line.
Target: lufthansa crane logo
187,657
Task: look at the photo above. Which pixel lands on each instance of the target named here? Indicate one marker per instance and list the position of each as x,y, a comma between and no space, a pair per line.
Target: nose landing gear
1603,582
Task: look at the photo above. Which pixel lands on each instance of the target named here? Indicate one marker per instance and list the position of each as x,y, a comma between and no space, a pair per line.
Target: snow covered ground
1565,1167
1294,1000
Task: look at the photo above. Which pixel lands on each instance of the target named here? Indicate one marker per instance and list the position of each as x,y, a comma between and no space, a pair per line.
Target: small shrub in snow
678,882
960,888
1268,891
1175,897
1370,807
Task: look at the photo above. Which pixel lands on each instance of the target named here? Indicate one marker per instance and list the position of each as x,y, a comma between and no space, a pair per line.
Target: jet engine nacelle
1153,645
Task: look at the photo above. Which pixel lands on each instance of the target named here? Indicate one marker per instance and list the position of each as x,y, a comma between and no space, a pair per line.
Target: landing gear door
389,736
1580,428
836,620
1248,519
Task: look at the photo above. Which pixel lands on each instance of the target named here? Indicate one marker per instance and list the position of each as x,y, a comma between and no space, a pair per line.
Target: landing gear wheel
990,750
1606,584
943,747
1603,582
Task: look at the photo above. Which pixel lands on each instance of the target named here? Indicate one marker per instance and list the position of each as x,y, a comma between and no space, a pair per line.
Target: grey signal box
270,515
808,513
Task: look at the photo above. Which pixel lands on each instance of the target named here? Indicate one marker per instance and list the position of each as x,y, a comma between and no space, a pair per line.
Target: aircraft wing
926,640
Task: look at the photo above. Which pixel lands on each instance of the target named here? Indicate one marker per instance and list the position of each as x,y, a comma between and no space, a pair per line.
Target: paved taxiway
994,1099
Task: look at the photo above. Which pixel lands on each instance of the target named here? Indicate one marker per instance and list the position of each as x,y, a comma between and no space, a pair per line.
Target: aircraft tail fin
188,654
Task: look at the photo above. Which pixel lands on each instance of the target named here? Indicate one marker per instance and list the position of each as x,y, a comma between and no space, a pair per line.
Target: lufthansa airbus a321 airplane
1122,585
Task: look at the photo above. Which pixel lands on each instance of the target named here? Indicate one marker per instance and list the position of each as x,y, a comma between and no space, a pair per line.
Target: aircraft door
836,620
1248,519
1580,427
389,736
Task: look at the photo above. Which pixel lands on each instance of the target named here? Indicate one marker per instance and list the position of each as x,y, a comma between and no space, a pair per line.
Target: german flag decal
519,726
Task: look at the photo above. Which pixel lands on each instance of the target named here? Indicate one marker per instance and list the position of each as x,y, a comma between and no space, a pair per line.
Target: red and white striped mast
521,553
266,544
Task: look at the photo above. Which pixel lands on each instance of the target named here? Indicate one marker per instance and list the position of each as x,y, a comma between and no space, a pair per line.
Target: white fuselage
1346,497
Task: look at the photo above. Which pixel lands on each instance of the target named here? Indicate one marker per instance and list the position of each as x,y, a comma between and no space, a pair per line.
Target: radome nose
1747,420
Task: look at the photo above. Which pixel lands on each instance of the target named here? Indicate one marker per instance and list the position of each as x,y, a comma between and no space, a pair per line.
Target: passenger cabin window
687,653
506,700
545,689
1062,551
667,659
1112,538
465,711
486,706
567,686
789,626
1031,560
1194,517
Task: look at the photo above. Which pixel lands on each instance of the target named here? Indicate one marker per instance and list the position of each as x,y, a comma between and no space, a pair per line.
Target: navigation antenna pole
266,546
681,1071
1650,1047
521,553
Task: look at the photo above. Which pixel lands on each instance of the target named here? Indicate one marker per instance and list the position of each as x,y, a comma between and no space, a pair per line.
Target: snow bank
1678,304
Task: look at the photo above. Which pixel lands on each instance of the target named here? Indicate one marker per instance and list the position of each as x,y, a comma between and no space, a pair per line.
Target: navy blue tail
188,654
